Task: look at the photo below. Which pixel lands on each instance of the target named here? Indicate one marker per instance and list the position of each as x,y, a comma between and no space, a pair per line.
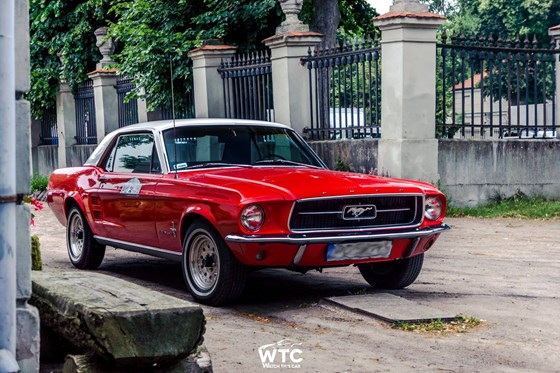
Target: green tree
62,46
148,35
151,33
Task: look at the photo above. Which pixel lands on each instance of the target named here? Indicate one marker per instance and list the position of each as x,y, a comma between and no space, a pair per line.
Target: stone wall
45,159
359,155
470,172
80,153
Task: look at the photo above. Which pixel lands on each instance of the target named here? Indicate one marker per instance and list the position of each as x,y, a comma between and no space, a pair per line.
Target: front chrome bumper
307,239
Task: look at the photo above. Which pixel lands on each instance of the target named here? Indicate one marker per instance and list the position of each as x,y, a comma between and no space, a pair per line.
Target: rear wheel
212,274
396,274
84,251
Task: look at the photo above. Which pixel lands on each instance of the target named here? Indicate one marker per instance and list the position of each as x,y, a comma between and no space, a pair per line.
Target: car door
126,191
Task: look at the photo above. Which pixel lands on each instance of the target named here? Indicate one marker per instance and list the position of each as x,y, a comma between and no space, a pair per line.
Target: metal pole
8,197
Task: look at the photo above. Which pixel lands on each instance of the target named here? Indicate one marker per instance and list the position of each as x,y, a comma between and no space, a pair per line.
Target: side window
133,153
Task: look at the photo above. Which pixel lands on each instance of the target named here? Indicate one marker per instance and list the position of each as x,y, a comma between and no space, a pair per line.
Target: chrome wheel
204,261
76,237
211,272
83,250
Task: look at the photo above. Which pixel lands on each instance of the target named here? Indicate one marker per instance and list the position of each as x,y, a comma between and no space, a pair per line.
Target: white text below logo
282,354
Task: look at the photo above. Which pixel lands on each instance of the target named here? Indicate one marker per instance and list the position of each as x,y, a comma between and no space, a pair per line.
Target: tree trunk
326,18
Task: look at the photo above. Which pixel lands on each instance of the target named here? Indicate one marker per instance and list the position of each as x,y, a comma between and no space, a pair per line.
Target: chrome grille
328,213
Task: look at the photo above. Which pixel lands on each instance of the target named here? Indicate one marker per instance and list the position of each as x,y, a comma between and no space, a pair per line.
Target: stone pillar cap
406,17
103,71
295,37
222,48
408,14
554,31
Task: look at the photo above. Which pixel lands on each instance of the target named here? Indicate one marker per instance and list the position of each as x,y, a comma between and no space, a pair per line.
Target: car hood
293,183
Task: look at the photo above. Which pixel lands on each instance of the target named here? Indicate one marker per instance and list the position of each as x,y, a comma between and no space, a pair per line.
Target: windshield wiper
216,164
283,162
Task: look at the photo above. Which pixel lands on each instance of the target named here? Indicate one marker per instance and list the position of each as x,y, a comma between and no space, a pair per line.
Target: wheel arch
189,218
71,201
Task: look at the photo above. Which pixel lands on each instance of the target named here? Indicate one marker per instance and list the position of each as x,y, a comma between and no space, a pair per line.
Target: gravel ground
503,271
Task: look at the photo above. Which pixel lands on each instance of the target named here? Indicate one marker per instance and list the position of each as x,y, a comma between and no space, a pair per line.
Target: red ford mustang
224,196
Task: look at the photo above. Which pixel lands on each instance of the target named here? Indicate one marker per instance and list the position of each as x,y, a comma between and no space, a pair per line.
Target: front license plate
359,250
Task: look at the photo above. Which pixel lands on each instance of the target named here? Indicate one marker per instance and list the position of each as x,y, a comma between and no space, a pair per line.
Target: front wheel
211,272
396,274
84,251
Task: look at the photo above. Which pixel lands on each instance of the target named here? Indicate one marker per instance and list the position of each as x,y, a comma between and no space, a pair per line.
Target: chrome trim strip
361,196
338,229
299,254
394,210
340,212
149,250
302,239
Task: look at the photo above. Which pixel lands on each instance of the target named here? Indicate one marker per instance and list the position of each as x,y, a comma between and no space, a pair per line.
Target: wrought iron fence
345,90
128,109
185,112
86,132
247,85
495,88
184,102
49,130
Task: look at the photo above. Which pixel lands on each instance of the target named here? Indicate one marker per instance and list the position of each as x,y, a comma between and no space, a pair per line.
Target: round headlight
433,208
252,217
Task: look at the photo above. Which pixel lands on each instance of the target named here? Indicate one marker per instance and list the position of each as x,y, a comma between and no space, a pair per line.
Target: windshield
222,146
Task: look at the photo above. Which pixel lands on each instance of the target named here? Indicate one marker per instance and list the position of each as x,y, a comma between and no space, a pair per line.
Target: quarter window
134,153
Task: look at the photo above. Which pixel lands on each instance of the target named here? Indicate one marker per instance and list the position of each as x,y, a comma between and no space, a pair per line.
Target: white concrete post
208,87
8,244
106,101
408,147
290,78
142,108
66,124
19,322
554,33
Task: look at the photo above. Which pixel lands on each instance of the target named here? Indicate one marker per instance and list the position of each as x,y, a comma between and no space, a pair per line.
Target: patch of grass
39,183
358,292
460,324
342,165
307,304
519,206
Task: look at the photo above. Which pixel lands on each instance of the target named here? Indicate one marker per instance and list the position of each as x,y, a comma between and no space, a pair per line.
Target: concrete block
117,320
28,342
390,308
23,146
197,362
23,253
22,46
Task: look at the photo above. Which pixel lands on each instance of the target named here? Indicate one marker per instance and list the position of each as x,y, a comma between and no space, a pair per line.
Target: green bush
36,262
517,206
39,183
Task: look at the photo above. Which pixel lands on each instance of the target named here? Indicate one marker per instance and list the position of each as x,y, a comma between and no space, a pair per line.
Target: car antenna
173,117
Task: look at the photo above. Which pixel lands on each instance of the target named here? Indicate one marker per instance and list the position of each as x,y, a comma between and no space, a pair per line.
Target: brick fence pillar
66,124
408,147
106,101
208,88
290,78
